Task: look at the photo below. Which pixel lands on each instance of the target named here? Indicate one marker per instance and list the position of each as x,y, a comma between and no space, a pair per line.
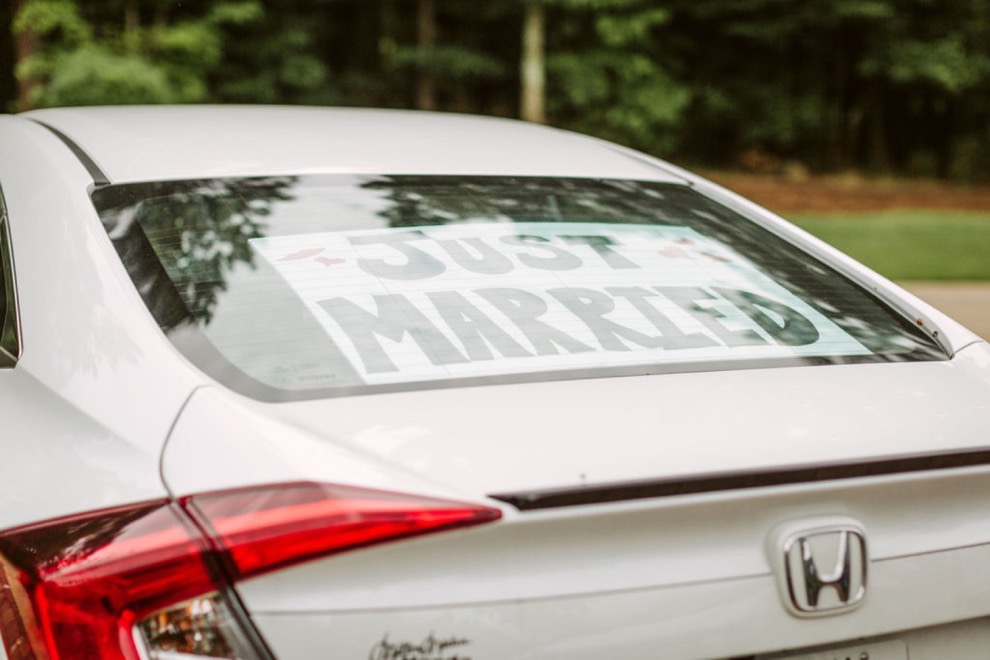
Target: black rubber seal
731,481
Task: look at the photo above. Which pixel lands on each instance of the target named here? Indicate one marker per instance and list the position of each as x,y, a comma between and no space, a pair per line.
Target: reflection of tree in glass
834,296
47,550
198,230
438,200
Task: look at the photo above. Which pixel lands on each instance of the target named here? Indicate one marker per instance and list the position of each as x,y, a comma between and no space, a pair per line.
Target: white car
327,383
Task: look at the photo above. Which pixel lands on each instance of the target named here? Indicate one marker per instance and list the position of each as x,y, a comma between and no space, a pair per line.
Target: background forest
891,86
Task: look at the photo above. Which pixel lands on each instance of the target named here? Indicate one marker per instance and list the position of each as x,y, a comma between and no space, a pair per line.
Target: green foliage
189,44
234,12
628,99
867,10
946,64
447,62
56,20
896,85
618,88
832,83
617,31
593,5
158,62
273,61
94,76
784,119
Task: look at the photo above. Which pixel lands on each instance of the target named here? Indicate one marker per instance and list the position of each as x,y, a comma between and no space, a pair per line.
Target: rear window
299,287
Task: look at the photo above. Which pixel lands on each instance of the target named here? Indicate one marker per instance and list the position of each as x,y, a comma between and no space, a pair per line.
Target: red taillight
89,578
80,587
265,528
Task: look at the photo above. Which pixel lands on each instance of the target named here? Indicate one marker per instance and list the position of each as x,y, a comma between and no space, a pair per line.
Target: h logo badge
821,567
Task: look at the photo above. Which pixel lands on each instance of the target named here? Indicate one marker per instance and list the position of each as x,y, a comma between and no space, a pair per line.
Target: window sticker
426,303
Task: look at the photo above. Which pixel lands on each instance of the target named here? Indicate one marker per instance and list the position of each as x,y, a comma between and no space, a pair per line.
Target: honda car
343,383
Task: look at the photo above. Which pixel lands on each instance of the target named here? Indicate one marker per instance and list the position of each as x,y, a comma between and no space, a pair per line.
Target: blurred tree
151,53
922,64
834,83
454,55
901,85
608,74
275,60
775,77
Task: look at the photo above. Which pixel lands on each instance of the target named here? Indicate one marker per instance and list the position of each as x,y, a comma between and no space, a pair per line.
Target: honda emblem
821,565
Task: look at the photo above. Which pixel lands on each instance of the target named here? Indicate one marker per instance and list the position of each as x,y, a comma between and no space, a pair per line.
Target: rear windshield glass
298,287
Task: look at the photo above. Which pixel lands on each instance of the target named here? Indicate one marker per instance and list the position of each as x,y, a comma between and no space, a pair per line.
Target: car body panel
661,542
631,577
58,460
223,441
98,385
481,439
302,140
674,623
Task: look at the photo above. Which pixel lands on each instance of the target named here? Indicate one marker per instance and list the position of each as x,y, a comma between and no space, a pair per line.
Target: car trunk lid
521,439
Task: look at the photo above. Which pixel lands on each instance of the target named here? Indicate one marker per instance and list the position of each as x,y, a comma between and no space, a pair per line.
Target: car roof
152,143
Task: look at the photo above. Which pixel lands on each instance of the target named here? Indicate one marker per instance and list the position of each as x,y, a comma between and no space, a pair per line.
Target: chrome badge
821,565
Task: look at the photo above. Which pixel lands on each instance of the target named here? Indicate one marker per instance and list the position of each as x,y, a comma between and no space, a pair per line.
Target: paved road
967,302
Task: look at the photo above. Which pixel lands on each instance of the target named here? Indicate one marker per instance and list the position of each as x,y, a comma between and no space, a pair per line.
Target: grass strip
910,244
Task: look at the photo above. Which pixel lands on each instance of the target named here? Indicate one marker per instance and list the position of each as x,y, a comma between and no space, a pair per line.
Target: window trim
11,341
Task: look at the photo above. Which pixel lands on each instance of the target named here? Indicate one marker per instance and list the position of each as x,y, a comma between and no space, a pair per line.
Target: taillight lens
150,580
260,529
204,626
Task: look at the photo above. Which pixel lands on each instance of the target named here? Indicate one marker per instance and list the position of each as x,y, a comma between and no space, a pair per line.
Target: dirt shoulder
850,192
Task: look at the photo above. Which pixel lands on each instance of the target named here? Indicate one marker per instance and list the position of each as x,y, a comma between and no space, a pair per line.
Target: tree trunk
878,156
8,85
532,68
25,44
943,136
426,21
388,31
132,27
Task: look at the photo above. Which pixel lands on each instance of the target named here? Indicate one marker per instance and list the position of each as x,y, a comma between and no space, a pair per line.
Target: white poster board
460,300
